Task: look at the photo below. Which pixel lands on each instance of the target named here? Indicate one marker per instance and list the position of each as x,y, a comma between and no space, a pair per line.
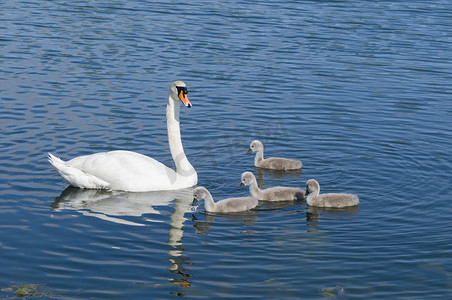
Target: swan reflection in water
114,206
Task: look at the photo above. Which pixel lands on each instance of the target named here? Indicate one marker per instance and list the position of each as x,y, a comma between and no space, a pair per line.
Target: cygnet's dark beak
194,201
249,151
241,185
307,192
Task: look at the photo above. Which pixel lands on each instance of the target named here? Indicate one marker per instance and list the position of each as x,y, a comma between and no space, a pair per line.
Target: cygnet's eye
252,146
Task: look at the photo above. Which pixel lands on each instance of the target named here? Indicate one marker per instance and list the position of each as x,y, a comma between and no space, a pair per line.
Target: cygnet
274,163
314,198
277,193
228,205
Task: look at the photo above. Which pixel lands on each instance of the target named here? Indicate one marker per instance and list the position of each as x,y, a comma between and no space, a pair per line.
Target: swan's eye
252,146
182,89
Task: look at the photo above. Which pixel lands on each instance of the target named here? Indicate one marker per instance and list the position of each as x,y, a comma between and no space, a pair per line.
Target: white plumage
131,171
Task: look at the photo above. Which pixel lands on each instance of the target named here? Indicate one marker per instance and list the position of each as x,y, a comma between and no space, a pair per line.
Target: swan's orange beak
183,97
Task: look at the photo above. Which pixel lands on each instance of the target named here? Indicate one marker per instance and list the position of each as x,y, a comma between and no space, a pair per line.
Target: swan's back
334,200
280,193
238,204
279,163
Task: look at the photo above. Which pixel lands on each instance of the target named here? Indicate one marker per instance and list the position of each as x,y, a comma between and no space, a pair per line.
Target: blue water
360,91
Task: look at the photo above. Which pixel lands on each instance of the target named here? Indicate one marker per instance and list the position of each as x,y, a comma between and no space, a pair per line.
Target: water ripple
357,90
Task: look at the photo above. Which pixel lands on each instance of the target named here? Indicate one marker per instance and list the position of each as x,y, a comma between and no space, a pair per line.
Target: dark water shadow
202,227
315,214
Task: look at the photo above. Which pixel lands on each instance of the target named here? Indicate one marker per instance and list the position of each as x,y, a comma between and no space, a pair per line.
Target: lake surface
360,91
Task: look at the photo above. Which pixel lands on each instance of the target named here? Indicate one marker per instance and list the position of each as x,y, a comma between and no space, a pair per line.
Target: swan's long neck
183,166
254,189
259,156
208,201
312,196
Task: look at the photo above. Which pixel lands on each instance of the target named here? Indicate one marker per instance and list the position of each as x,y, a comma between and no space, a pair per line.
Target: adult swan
131,171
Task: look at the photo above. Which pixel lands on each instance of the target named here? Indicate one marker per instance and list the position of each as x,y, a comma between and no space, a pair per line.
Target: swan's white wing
126,170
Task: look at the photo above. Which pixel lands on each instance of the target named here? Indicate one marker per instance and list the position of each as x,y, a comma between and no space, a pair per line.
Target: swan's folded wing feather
126,170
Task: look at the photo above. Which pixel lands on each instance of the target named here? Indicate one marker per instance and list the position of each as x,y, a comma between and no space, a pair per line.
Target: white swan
277,193
314,198
131,171
274,163
228,205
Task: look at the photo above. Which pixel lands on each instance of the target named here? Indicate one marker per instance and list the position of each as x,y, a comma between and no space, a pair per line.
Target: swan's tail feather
56,162
76,177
